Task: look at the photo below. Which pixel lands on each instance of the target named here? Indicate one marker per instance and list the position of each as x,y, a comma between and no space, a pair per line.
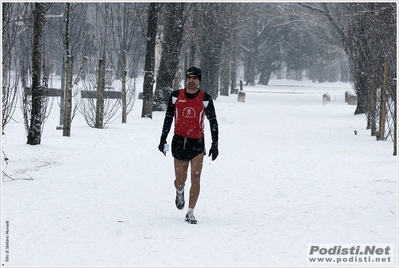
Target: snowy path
290,173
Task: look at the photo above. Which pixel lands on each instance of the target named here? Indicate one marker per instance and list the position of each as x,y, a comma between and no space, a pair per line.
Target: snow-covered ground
291,173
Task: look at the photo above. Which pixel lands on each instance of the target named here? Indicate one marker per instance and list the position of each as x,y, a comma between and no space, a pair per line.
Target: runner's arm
211,115
169,114
213,123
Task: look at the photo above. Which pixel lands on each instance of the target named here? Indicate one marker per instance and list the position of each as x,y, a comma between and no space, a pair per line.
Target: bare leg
181,168
196,168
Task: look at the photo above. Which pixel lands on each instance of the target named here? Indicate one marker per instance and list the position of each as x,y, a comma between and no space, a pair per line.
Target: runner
188,107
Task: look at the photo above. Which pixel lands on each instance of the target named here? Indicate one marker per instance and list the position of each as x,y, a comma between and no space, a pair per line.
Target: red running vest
189,115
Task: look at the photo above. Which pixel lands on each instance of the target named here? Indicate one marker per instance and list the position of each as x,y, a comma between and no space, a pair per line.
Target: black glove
214,151
161,146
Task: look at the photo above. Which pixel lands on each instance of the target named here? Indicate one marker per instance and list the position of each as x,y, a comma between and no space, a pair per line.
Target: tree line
92,45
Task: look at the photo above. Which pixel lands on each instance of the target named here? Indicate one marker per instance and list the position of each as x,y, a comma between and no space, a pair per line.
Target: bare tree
12,26
124,64
125,33
68,76
65,50
96,106
222,18
234,61
148,84
211,44
171,46
38,87
368,33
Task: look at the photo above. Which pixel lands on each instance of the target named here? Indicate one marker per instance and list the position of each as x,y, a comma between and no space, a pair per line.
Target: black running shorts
185,149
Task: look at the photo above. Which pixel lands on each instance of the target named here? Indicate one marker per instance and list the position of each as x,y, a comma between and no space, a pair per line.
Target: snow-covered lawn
291,172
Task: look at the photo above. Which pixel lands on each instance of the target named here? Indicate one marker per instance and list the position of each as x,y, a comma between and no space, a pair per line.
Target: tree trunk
66,130
173,36
225,73
251,55
395,139
193,50
36,120
124,102
211,50
124,67
233,77
265,75
148,84
372,106
361,93
210,74
383,106
250,79
208,69
194,19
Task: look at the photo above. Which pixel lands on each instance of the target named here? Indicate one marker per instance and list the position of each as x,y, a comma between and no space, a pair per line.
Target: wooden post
326,98
383,101
124,103
62,101
100,93
241,93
